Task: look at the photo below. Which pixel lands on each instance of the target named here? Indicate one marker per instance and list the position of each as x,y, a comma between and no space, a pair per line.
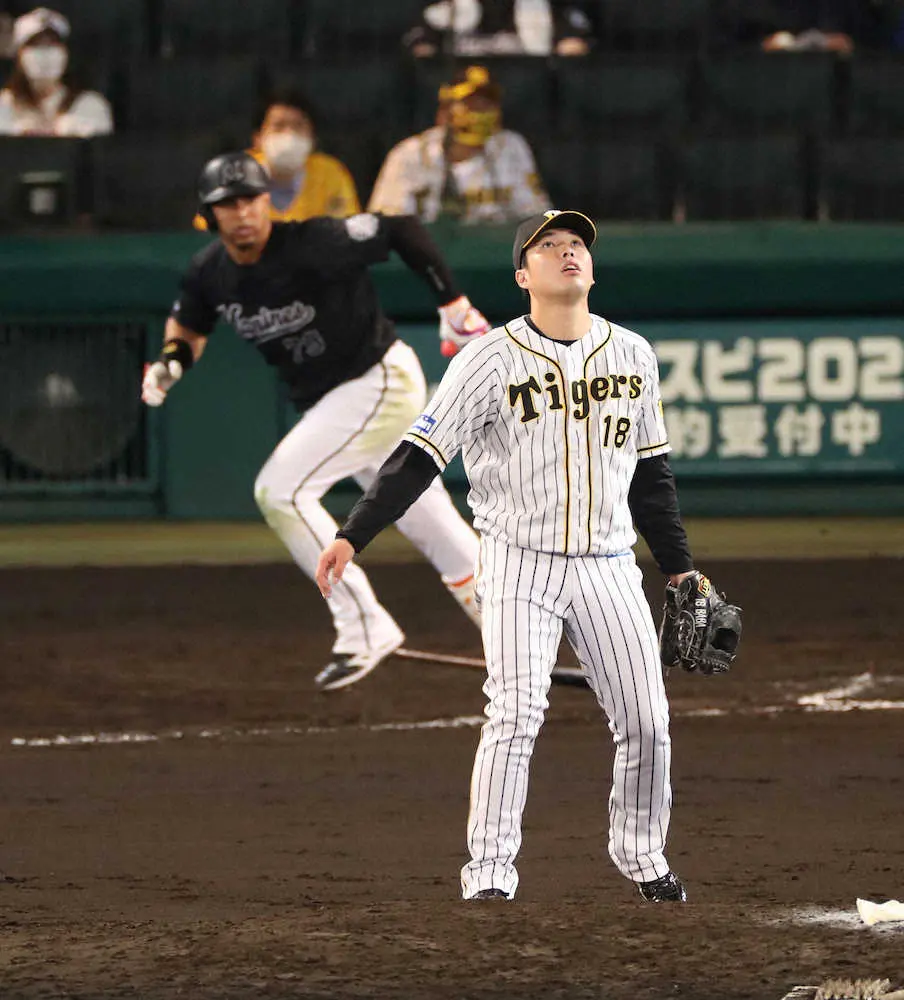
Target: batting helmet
230,175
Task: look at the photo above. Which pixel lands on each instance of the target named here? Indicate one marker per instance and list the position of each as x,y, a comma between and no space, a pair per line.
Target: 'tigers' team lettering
582,392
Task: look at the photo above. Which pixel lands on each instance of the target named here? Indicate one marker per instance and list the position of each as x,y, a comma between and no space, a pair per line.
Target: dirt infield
254,838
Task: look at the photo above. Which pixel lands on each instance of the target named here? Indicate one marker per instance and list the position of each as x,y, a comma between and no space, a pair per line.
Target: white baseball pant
349,433
527,599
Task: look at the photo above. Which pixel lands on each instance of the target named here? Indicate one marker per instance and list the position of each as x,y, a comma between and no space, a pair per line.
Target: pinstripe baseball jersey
499,183
550,433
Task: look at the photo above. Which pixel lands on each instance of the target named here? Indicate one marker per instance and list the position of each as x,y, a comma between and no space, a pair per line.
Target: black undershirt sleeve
402,478
411,241
409,470
653,500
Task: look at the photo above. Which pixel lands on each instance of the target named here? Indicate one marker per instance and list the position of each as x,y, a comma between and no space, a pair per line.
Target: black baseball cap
530,229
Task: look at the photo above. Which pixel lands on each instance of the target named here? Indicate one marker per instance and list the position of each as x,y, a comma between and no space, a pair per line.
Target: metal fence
70,415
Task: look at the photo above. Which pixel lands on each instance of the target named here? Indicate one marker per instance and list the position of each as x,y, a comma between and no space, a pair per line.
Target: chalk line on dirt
840,698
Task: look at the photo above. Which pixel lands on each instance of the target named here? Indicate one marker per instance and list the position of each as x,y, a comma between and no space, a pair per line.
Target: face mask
44,63
286,152
473,128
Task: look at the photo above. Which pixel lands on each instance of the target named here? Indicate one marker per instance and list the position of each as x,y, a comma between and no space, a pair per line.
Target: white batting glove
459,324
159,378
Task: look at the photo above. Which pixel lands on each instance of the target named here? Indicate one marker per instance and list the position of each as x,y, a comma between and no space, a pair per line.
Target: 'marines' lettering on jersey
286,324
583,391
268,324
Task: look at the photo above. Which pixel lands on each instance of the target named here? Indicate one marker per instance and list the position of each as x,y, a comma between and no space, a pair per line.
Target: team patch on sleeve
362,227
424,424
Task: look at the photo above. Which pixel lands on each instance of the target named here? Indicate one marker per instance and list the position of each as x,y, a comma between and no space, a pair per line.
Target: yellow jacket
328,189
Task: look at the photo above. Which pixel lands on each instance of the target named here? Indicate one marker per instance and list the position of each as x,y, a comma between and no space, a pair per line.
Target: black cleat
348,668
668,889
489,894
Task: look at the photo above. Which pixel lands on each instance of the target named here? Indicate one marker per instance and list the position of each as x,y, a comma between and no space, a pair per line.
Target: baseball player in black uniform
558,418
300,293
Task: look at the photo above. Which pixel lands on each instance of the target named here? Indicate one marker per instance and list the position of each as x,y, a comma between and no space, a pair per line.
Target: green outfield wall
781,349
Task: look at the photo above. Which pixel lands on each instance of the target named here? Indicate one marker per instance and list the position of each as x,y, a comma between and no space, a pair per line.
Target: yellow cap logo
475,78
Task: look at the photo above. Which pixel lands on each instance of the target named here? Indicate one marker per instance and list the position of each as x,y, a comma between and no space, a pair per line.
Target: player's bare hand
331,564
459,324
159,378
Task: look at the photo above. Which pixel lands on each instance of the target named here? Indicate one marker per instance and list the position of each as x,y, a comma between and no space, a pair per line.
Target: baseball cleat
668,889
489,894
348,668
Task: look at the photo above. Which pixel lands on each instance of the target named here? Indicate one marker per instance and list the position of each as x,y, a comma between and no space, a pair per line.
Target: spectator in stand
40,97
480,28
304,183
467,166
803,25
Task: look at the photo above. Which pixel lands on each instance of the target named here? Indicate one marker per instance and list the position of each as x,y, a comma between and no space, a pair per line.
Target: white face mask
44,63
286,152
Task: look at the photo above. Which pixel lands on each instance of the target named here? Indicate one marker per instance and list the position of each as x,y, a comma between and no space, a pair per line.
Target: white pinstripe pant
527,599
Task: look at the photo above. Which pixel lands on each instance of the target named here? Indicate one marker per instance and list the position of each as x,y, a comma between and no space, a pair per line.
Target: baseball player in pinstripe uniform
559,421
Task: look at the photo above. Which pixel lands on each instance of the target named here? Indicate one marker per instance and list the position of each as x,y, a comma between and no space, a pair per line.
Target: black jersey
309,304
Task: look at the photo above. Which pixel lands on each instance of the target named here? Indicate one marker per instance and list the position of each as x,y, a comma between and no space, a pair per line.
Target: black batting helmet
230,175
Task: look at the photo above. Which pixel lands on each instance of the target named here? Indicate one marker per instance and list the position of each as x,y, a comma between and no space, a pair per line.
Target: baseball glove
699,629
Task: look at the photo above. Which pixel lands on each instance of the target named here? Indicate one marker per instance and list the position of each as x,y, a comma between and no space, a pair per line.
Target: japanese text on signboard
773,398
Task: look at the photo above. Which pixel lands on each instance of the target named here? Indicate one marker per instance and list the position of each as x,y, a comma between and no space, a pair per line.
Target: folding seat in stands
875,95
345,30
148,182
652,25
862,180
762,177
767,91
192,95
42,181
226,27
638,95
625,179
